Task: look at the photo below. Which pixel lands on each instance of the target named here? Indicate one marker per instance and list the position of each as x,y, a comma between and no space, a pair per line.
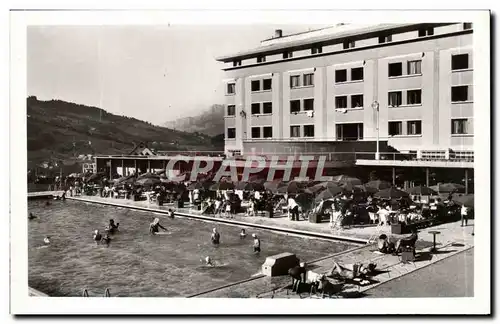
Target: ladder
86,293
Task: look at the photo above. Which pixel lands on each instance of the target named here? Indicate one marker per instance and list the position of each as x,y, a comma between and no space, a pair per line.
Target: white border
22,304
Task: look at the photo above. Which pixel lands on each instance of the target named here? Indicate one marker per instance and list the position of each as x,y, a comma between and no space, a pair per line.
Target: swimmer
170,213
31,216
243,234
112,227
209,262
256,243
155,225
46,240
215,238
97,236
106,239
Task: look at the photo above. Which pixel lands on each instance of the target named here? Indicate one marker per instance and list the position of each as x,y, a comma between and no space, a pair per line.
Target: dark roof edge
461,32
326,39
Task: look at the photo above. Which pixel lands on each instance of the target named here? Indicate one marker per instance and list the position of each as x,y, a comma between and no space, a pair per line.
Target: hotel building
408,85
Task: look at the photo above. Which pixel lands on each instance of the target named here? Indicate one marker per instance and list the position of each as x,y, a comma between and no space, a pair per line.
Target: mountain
209,122
61,130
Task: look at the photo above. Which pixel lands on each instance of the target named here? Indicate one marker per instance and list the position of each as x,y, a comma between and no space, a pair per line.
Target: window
395,69
348,44
261,59
357,74
237,63
467,26
349,132
341,102
308,104
308,130
255,108
415,67
459,126
414,97
256,85
385,39
459,93
294,131
316,50
231,88
340,76
287,55
268,132
255,132
231,110
231,132
395,99
308,79
414,127
294,81
267,84
356,101
395,128
460,62
426,32
267,107
294,106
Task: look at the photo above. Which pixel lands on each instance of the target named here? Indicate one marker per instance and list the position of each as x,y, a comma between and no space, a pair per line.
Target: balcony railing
465,156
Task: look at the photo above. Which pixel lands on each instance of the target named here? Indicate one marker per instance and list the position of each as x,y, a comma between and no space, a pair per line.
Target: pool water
139,264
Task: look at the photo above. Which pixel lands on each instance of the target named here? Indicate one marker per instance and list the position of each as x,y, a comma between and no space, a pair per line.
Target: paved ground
451,277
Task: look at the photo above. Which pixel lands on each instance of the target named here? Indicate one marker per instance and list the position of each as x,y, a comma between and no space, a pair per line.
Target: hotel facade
407,86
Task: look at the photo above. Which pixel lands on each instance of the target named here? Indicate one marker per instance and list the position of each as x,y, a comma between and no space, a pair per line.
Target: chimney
278,33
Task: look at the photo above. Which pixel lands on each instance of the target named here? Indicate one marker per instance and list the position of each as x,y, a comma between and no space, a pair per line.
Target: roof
338,33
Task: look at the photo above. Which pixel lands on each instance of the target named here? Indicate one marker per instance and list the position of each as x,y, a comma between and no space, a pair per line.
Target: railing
465,156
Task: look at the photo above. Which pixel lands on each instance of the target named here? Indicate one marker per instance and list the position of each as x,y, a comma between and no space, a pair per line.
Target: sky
153,73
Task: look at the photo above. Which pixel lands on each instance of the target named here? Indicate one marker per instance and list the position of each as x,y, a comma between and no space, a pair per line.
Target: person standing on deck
463,213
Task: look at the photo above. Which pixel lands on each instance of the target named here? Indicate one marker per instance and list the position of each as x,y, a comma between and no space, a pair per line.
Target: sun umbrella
421,190
467,200
378,184
448,187
222,185
126,179
330,192
350,187
199,185
274,185
96,176
249,186
391,193
147,182
291,187
149,175
345,179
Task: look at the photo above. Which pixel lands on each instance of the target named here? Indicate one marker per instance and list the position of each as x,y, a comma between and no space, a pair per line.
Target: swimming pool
139,264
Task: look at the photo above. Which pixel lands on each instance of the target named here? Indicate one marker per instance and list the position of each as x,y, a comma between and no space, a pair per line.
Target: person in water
97,236
243,234
171,213
46,240
106,239
209,262
256,243
215,237
31,216
112,227
155,226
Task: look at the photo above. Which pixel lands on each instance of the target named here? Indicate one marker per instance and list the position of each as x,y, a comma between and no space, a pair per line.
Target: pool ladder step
106,293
